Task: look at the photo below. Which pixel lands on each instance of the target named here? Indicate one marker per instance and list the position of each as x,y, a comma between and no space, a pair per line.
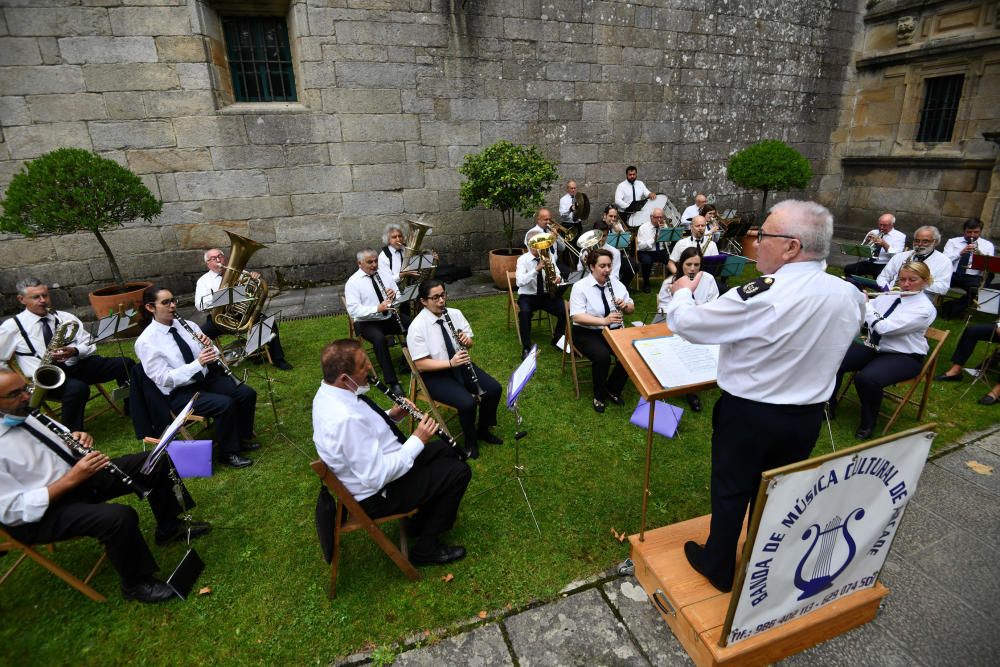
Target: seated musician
699,239
533,294
386,472
181,364
440,353
650,249
885,241
596,302
960,250
210,282
390,257
713,227
694,209
895,348
972,334
369,305
29,334
543,218
567,207
925,241
703,288
49,493
616,255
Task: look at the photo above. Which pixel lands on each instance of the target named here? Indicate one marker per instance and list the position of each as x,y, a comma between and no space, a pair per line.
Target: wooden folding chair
574,355
352,332
925,376
419,392
350,517
8,543
539,315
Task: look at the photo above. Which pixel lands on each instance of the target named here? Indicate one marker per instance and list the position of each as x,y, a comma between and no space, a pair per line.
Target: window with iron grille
260,60
937,118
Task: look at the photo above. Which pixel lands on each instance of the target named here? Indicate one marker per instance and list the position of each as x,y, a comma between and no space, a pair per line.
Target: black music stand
224,297
113,326
733,233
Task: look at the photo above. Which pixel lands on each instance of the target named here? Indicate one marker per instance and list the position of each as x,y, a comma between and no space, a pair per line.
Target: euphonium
237,318
542,242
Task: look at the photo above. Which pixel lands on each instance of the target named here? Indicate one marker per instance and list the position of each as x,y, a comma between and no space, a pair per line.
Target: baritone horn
587,241
237,318
542,242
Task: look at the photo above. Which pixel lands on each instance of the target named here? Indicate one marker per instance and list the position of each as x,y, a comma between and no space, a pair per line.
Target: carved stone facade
878,162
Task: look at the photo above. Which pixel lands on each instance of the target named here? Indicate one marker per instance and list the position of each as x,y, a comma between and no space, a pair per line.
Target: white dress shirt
616,260
646,237
390,265
162,359
565,204
953,251
689,242
425,339
526,276
897,242
783,345
27,467
209,282
903,330
362,301
706,291
357,444
623,193
586,298
13,343
688,215
939,265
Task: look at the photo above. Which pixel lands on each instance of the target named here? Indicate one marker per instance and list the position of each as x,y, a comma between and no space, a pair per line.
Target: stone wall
391,96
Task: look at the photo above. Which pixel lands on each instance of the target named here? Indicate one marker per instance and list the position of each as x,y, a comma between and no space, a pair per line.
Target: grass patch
263,561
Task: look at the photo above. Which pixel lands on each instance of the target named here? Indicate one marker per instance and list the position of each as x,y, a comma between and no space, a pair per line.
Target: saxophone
48,376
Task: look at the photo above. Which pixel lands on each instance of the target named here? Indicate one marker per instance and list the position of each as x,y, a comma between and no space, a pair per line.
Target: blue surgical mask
13,420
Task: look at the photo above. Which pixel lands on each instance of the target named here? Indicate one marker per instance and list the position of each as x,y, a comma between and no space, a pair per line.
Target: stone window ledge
920,161
262,108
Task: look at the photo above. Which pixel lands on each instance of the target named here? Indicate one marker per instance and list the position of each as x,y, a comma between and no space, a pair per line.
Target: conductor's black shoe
283,365
694,402
397,389
489,438
693,552
235,461
249,446
615,398
598,406
863,433
439,555
944,377
179,532
147,590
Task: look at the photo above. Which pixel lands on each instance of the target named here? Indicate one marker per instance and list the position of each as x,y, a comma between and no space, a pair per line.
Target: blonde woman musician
598,301
895,347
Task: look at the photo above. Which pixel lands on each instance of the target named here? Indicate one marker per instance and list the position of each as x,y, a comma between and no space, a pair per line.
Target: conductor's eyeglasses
761,235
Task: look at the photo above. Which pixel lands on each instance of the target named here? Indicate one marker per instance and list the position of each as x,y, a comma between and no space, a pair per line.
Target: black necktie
388,420
447,339
539,281
633,191
963,263
182,346
604,300
378,292
875,336
59,451
46,331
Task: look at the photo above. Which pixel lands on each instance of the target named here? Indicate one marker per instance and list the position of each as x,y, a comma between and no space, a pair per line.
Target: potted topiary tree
513,180
73,190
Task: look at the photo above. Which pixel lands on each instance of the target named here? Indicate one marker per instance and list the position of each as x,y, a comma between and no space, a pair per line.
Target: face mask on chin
13,420
359,389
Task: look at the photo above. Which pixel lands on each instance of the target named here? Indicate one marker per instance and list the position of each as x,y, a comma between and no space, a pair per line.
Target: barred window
260,60
937,118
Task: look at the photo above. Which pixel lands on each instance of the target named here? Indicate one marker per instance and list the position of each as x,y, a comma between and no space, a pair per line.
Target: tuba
237,318
418,230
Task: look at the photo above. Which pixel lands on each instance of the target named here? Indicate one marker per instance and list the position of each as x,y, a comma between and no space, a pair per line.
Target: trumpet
395,311
469,366
870,240
219,359
417,414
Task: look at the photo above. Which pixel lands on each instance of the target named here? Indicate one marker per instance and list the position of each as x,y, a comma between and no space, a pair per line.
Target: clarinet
74,446
613,305
378,279
218,359
468,366
417,414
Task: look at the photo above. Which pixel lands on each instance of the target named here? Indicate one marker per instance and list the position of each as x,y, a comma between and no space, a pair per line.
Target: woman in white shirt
598,301
895,347
705,290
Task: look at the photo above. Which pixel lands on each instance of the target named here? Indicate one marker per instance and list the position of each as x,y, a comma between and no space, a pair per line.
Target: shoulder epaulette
754,288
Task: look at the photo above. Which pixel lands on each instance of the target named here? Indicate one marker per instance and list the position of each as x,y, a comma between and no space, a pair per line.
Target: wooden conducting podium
696,612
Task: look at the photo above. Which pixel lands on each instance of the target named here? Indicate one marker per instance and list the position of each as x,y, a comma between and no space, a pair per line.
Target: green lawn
263,563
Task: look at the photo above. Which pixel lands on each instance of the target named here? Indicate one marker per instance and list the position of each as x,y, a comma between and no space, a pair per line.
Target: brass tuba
542,242
415,238
237,318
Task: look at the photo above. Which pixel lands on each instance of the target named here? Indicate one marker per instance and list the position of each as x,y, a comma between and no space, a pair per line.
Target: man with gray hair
369,296
30,333
925,242
781,339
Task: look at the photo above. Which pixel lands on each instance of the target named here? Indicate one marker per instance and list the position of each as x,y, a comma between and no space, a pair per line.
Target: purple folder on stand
192,458
665,420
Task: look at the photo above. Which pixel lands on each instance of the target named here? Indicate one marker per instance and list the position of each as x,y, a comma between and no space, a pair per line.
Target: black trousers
866,267
593,346
273,347
527,304
376,333
436,484
230,406
970,284
748,438
970,336
875,370
85,512
76,390
646,259
446,387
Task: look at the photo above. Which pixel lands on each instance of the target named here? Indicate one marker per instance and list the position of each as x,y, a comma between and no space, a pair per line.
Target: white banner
825,532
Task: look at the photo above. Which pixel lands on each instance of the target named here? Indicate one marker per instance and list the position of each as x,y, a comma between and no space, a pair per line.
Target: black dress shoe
147,590
863,433
235,461
944,377
693,552
988,399
397,389
694,402
439,556
645,289
615,398
489,438
598,407
249,446
180,532
283,365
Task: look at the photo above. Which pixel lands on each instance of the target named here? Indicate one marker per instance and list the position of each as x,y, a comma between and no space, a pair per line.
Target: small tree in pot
73,190
769,165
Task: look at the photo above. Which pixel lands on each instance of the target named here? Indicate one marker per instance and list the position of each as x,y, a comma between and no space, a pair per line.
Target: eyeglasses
761,235
16,393
216,258
437,297
167,302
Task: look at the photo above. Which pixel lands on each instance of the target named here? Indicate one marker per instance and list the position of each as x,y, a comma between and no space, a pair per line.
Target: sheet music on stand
669,234
619,239
261,333
167,437
573,277
676,363
519,378
406,295
420,262
113,324
856,250
225,297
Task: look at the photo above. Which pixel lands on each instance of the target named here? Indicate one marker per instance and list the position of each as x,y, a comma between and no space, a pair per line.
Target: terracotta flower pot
107,299
501,262
749,244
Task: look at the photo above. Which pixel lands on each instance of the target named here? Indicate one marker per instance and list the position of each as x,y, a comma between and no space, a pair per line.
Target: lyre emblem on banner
820,565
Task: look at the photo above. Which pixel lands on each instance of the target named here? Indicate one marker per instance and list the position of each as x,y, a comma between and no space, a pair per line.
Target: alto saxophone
48,376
